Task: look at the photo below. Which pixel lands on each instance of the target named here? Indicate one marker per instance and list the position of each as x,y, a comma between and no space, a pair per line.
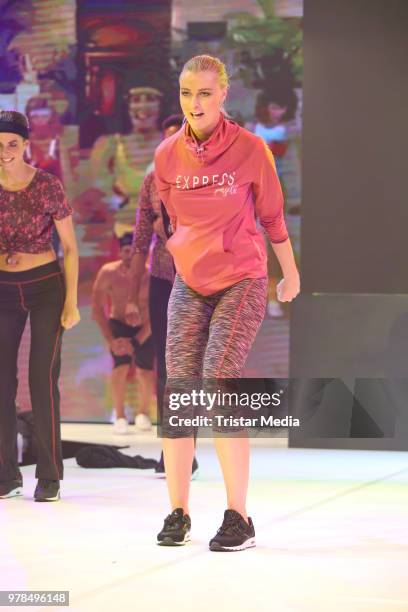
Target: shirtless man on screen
127,343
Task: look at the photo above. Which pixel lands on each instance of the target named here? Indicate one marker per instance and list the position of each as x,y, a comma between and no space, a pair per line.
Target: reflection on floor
332,534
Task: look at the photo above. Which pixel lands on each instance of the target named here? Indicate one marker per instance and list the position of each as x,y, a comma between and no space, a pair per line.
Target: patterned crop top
27,216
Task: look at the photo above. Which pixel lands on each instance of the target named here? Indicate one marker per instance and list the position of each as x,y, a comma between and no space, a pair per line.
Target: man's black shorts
143,354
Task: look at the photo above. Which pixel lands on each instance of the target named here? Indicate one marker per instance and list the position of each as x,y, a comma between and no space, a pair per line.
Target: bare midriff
26,261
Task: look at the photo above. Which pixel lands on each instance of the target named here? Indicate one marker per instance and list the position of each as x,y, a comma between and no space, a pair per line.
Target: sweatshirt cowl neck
220,140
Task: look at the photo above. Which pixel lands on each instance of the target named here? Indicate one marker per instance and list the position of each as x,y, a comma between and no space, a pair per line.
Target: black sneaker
176,529
194,469
234,534
12,488
47,490
160,471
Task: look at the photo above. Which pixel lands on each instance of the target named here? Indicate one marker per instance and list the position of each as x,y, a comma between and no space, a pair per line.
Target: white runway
331,528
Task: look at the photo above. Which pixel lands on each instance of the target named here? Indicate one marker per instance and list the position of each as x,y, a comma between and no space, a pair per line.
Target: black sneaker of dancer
194,469
176,529
12,488
47,490
234,534
160,471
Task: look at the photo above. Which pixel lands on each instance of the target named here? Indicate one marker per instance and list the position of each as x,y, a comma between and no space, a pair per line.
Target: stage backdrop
350,325
108,70
355,137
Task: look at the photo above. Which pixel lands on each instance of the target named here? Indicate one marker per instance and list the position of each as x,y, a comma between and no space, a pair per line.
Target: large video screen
96,80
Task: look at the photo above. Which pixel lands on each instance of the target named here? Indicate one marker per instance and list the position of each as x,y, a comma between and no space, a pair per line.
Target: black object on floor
104,456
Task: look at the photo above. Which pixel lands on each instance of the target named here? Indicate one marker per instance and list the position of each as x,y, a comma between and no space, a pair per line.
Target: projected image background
96,79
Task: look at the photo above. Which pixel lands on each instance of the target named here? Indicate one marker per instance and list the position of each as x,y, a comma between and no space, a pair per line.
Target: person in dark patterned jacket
150,235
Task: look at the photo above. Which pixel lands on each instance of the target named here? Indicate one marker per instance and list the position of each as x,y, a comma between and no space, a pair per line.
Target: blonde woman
215,178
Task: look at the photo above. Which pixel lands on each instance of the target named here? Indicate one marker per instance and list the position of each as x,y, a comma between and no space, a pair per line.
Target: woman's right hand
132,314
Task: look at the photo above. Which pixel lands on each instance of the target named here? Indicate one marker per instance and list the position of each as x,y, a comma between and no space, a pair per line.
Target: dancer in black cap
32,202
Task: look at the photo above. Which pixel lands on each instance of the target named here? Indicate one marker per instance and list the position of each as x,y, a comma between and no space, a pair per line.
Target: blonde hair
198,63
207,62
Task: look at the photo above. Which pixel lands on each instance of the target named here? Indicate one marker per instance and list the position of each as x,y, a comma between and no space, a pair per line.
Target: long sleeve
143,232
268,195
163,189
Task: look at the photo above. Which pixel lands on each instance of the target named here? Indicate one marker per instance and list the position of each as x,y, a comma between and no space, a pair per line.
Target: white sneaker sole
250,543
48,499
170,542
17,492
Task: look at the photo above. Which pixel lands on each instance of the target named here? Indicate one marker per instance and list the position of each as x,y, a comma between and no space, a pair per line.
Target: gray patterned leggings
209,337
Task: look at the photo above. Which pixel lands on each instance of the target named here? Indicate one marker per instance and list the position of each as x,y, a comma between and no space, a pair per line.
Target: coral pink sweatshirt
213,192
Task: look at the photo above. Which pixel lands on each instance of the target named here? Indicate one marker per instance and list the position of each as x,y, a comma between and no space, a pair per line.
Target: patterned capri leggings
208,340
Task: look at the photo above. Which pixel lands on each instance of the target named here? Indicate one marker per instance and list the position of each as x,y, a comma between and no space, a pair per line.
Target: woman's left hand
70,315
288,288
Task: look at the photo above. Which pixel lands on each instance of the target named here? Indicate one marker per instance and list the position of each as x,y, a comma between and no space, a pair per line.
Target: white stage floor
331,528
